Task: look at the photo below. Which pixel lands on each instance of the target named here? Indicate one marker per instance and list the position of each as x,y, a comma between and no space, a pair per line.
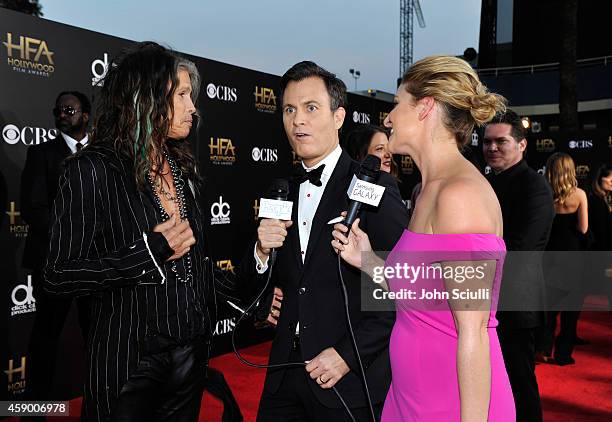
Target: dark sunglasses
67,110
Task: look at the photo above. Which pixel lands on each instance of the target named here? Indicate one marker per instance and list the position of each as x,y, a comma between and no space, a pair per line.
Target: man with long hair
127,229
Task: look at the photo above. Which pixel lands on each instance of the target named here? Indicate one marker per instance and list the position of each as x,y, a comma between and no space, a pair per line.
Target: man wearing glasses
39,186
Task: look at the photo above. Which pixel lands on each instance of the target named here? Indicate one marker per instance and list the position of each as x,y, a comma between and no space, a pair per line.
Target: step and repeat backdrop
240,145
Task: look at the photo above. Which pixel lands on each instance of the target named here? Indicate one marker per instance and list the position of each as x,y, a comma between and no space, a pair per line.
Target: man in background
527,208
39,186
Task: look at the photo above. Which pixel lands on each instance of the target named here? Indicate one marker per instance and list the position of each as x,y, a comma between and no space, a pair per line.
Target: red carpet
580,392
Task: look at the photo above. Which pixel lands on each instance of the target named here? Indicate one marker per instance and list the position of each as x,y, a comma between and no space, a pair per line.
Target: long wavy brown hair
561,174
603,171
135,109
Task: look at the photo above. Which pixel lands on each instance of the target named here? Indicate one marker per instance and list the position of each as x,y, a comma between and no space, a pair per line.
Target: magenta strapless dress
423,346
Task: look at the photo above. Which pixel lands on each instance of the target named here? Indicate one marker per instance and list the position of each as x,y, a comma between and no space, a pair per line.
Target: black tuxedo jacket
39,184
526,202
312,294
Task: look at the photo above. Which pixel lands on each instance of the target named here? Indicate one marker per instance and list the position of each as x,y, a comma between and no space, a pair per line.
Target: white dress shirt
72,143
309,199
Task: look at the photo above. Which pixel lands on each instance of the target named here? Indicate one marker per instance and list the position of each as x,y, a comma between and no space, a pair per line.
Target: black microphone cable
368,172
350,327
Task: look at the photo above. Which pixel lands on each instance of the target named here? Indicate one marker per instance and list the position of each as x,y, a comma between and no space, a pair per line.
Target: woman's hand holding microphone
350,244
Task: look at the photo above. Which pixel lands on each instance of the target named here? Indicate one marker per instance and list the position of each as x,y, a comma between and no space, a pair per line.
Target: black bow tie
313,176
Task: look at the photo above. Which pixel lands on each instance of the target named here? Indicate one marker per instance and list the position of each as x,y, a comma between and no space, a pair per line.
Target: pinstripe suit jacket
100,225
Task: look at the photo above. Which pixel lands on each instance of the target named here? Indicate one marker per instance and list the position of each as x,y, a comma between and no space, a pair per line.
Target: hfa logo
407,164
23,303
256,209
582,171
220,212
16,226
381,118
265,100
359,117
226,265
29,55
222,151
545,145
296,158
16,386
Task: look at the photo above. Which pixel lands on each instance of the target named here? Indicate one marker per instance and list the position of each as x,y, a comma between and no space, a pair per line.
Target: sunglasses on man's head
67,110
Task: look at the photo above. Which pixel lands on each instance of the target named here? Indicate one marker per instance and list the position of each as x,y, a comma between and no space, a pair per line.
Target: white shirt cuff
260,266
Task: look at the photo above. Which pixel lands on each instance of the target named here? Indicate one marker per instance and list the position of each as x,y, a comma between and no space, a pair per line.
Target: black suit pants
518,349
51,313
295,402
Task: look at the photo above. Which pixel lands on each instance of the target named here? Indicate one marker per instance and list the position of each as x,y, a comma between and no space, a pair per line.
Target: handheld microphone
276,205
279,190
363,189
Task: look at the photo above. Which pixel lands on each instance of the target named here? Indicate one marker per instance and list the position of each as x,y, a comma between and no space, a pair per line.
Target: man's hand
327,368
178,234
277,302
271,233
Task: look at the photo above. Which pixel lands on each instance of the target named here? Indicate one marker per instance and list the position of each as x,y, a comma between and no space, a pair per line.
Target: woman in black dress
600,222
567,234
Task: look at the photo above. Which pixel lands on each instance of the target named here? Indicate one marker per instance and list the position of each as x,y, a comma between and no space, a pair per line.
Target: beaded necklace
179,200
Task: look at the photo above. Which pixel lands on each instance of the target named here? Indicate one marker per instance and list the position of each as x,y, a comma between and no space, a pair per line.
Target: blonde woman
567,234
446,363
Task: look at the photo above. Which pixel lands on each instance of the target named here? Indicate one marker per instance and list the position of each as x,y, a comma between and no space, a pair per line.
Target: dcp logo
474,139
267,155
28,135
220,212
23,298
99,69
220,92
361,117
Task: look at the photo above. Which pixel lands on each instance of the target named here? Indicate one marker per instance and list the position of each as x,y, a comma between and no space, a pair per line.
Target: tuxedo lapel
330,204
